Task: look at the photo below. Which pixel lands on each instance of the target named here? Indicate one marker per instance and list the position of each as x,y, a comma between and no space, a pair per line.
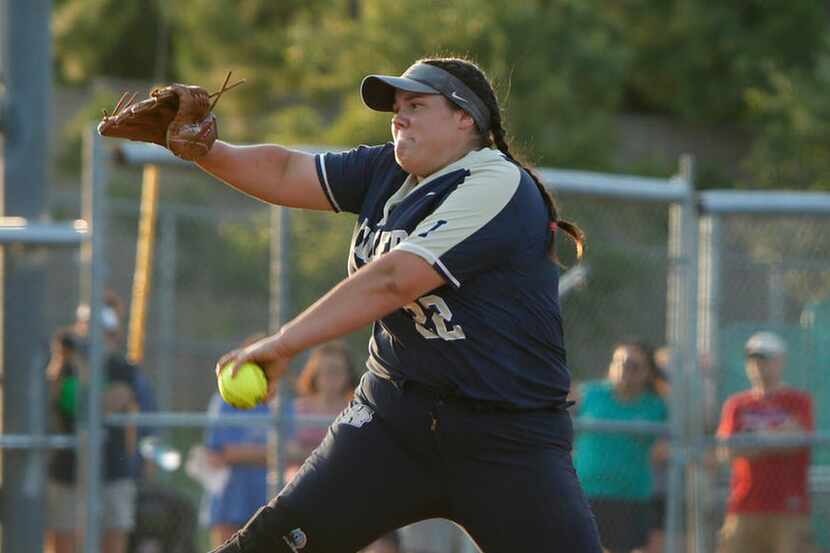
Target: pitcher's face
427,132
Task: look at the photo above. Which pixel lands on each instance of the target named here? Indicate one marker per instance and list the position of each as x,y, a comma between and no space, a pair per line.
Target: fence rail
27,441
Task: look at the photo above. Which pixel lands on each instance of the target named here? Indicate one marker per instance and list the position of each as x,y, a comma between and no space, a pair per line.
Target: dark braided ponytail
475,78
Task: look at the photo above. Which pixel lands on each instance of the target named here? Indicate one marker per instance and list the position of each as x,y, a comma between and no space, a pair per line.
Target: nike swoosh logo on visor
457,97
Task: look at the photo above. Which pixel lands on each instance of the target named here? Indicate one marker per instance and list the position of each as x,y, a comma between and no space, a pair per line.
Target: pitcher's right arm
268,172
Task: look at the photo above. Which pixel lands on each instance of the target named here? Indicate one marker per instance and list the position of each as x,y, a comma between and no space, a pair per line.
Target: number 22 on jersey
438,325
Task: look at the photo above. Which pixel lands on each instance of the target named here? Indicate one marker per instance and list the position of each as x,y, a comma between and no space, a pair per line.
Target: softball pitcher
462,413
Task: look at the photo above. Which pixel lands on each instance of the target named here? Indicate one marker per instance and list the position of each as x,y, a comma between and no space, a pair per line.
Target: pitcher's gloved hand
178,117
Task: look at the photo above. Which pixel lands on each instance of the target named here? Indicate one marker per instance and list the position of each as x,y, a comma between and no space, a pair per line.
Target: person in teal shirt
615,468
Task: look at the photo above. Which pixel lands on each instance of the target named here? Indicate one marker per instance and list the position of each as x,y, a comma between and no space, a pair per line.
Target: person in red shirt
769,502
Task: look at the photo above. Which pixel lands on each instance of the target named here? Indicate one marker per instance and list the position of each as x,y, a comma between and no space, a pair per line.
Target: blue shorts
244,493
400,454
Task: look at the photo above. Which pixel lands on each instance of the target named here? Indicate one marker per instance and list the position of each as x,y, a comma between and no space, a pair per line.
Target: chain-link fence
765,268
623,295
213,285
621,314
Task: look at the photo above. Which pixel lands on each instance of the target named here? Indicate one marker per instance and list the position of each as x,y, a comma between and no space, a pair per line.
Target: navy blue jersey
494,331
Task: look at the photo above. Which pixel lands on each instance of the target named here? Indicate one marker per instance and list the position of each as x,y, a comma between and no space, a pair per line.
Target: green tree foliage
250,38
559,81
792,113
108,37
697,59
563,68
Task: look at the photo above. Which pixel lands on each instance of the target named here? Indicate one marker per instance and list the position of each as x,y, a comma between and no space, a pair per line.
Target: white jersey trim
492,183
329,192
429,256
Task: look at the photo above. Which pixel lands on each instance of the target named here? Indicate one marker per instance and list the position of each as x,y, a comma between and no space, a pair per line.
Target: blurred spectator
242,450
660,458
615,468
112,316
388,543
769,502
120,442
62,500
324,388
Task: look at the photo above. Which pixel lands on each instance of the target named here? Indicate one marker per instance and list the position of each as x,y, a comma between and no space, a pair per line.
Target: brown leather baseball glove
178,117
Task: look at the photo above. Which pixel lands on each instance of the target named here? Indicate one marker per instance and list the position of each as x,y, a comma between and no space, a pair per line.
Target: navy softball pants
401,453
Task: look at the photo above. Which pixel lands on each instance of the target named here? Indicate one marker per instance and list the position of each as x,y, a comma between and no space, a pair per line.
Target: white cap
109,318
767,344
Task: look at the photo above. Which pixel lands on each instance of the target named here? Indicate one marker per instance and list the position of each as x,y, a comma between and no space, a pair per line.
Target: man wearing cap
769,502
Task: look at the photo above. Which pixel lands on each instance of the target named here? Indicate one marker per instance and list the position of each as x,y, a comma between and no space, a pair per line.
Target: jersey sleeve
807,416
729,420
472,230
345,176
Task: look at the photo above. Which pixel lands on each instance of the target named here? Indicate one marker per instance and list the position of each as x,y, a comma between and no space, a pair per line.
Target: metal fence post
25,94
708,344
682,331
93,259
709,286
692,382
167,314
279,314
674,495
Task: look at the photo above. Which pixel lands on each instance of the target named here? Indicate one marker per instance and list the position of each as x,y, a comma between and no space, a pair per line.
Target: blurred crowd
624,473
127,390
141,514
